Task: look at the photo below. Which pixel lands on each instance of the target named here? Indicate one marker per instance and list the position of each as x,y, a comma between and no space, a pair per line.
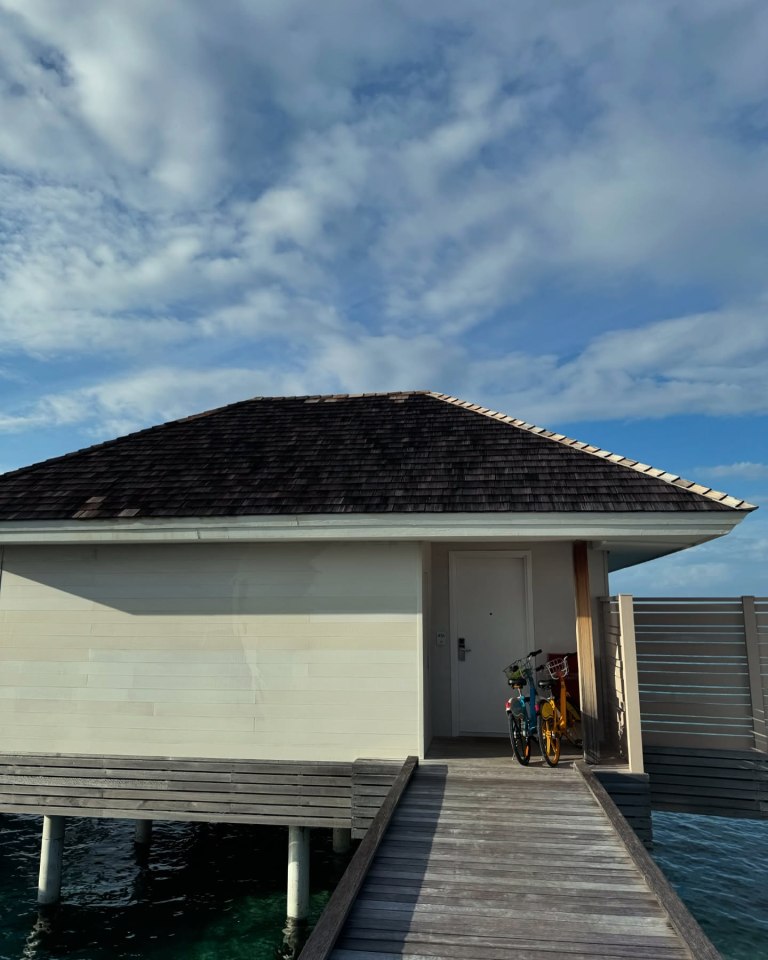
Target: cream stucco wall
274,651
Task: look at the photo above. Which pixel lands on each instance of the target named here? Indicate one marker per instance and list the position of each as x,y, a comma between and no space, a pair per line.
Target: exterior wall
426,628
554,622
598,579
268,651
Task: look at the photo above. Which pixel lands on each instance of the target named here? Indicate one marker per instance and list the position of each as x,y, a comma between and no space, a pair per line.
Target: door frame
526,557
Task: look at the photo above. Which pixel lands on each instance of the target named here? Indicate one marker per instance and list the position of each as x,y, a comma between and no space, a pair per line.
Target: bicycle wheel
520,742
549,738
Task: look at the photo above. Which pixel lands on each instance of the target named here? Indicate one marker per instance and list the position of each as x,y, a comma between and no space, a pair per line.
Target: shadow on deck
479,857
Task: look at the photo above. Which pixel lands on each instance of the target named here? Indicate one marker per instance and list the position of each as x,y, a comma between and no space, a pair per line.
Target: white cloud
730,566
462,161
377,195
146,117
681,365
132,401
670,367
745,469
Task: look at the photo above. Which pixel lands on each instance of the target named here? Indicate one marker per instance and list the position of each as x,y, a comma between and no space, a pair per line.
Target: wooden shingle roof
368,453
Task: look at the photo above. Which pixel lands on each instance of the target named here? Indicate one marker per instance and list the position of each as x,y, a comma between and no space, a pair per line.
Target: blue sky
557,210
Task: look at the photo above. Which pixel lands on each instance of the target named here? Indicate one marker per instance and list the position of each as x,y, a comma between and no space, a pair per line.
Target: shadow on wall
274,579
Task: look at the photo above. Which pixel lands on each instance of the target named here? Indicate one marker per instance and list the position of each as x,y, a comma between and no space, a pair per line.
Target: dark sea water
217,892
205,892
719,868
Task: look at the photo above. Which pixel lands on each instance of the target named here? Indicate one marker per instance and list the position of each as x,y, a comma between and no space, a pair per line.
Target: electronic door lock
463,649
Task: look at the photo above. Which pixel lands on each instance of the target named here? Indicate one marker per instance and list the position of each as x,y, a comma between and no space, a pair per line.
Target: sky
555,210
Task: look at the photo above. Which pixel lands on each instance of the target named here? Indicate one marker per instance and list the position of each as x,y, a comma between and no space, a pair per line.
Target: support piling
51,855
298,873
342,840
143,836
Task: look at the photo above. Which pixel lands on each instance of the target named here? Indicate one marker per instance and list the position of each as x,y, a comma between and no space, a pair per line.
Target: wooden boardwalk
499,862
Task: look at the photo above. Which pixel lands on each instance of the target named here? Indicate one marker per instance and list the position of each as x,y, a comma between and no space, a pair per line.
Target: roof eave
674,528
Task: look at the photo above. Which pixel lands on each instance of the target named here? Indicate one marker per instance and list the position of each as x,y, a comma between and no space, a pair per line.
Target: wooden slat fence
694,673
702,670
761,630
632,796
313,794
703,684
613,698
731,783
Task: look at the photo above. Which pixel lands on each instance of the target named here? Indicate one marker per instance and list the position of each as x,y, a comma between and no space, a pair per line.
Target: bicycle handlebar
534,653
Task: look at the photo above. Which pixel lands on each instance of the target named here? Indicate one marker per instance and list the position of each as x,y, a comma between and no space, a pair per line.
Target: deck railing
700,698
702,668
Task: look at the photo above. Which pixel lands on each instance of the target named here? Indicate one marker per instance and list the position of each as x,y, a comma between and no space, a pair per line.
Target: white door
489,628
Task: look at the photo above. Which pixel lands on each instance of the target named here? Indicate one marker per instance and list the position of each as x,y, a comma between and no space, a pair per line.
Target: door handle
463,648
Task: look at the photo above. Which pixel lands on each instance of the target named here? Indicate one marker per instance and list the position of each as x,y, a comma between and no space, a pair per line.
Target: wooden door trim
585,642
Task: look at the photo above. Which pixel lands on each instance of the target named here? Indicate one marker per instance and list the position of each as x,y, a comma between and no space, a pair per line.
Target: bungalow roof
404,452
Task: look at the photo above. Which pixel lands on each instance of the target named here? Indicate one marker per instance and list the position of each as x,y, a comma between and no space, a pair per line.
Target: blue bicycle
522,710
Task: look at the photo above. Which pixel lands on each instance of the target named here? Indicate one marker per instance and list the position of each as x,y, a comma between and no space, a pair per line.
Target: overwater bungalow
246,613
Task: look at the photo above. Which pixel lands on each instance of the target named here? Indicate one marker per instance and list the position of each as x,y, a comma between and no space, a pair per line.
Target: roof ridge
305,397
618,459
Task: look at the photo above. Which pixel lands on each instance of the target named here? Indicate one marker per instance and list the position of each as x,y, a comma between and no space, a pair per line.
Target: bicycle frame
559,716
519,703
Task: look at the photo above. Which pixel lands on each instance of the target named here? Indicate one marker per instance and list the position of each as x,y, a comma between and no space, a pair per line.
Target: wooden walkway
491,862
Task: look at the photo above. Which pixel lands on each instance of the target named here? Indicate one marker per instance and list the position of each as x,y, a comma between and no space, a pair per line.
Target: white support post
51,854
631,683
342,840
143,836
756,683
298,873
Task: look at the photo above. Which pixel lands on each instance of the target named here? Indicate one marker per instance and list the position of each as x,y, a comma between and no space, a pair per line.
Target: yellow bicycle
558,717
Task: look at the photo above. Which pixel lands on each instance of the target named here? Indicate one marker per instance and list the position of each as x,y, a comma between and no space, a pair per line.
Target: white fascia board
686,528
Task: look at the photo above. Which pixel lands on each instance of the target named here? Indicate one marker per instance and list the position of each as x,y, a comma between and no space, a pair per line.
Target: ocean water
719,868
217,892
205,892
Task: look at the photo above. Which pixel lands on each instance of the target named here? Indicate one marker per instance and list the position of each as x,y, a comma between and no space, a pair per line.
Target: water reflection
294,938
39,935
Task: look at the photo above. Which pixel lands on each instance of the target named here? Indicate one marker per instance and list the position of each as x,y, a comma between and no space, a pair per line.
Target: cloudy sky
558,210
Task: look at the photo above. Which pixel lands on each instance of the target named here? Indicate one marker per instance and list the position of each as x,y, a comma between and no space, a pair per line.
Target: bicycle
557,717
521,710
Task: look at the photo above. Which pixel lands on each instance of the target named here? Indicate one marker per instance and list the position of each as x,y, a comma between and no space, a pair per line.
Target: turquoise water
719,867
206,892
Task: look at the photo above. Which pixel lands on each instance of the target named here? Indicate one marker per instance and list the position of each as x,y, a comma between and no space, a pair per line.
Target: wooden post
143,835
586,650
342,840
759,727
51,855
631,683
298,873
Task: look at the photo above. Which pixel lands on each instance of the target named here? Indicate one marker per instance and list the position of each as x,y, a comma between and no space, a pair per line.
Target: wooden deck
269,792
484,860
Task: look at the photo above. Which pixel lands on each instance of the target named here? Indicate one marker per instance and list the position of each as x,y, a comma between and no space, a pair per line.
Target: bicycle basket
558,669
514,673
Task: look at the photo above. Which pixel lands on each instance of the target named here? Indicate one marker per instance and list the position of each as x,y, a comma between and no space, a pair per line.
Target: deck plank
484,862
